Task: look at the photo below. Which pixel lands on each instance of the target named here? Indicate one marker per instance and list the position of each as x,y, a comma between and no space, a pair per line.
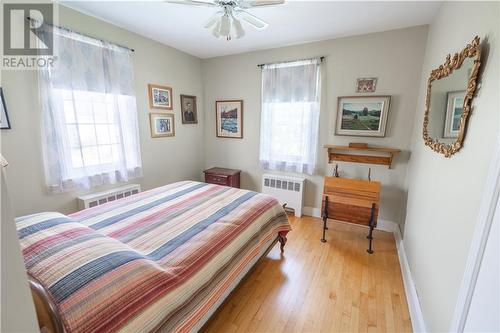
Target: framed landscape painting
229,119
160,97
162,125
362,115
454,109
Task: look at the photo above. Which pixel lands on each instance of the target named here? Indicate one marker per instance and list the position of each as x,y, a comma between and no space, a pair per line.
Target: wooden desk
351,200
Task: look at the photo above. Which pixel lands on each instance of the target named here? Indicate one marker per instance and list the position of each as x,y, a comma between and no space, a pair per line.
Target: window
92,129
290,116
89,115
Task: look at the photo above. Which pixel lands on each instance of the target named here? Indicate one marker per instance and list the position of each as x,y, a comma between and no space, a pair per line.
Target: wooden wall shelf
348,154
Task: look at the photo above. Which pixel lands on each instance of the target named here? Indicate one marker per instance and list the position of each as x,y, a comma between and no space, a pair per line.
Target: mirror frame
472,50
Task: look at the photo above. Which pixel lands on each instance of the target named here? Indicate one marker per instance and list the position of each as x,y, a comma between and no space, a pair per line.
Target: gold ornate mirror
450,90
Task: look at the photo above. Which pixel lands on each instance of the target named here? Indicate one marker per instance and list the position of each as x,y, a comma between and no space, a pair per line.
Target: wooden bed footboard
48,317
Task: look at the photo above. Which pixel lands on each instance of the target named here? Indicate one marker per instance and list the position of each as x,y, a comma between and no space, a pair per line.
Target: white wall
17,312
165,160
395,57
445,193
17,309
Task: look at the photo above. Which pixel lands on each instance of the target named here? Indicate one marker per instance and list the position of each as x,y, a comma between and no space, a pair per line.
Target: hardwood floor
320,287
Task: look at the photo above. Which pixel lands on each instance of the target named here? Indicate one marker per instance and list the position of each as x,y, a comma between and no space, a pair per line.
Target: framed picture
162,125
160,97
365,85
454,109
362,115
229,119
4,117
188,109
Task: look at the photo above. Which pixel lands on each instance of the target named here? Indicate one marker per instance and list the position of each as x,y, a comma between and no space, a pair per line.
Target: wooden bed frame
49,319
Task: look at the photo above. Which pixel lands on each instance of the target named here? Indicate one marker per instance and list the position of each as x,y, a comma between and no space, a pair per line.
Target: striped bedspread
156,261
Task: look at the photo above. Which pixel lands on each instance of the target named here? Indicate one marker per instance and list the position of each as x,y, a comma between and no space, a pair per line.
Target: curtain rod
99,39
284,62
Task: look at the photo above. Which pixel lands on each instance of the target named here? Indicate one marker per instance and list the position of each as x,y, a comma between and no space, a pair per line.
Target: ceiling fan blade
212,20
192,2
259,3
252,19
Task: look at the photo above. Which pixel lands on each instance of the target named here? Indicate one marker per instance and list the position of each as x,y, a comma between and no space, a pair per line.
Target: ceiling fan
226,21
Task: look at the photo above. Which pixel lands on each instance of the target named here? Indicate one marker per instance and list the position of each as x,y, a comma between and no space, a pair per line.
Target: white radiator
288,190
99,198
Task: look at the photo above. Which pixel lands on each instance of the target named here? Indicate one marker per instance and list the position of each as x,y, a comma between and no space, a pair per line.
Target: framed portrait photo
4,116
454,109
162,125
365,85
362,115
188,109
229,119
160,97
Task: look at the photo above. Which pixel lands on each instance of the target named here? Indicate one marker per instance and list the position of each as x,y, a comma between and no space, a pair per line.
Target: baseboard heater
99,198
288,190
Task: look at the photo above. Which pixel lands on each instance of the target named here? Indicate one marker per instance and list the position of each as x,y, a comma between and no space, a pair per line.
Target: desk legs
372,226
325,217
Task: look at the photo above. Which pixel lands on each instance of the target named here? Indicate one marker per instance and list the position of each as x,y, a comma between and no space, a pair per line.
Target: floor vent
99,198
288,190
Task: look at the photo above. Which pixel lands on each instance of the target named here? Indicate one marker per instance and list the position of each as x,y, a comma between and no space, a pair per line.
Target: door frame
487,208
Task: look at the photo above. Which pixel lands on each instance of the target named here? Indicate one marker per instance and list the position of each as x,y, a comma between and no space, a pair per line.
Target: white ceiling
294,22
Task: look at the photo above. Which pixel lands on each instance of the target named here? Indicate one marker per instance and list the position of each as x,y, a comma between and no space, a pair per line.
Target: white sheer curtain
90,133
289,122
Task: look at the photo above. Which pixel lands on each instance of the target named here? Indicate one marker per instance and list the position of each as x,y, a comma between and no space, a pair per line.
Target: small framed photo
229,119
4,117
362,115
454,109
366,85
188,109
160,97
162,125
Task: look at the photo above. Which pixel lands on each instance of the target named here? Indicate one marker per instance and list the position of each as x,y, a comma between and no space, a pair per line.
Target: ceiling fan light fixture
226,22
225,25
238,28
216,30
213,20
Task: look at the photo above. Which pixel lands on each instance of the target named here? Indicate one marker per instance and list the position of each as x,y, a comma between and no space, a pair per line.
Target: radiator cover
99,198
288,190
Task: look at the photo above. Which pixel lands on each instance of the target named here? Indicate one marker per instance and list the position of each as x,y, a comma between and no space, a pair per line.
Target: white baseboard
388,226
312,211
417,318
383,225
416,315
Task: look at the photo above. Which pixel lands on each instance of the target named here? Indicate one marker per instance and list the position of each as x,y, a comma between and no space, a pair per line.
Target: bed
162,260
